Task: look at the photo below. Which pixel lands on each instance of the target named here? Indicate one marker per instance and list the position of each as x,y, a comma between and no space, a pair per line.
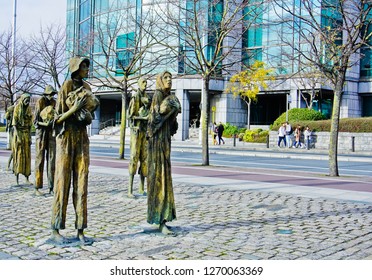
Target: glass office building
269,29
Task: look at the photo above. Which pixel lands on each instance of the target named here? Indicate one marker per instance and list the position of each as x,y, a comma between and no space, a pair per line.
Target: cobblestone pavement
221,222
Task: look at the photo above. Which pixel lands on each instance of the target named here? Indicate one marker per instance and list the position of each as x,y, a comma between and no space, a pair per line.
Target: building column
94,126
293,99
351,104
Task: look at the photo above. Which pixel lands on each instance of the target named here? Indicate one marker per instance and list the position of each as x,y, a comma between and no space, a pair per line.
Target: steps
110,130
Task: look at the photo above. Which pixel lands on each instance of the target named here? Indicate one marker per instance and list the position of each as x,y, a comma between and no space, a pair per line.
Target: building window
124,51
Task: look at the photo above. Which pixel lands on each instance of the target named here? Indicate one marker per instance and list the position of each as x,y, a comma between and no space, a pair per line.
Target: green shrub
297,115
242,130
230,130
255,136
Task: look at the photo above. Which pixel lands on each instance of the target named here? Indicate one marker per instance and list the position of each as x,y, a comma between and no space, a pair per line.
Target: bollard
308,143
268,141
234,140
353,143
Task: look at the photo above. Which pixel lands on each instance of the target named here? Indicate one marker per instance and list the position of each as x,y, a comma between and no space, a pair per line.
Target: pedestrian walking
288,134
221,128
298,134
281,135
214,133
307,137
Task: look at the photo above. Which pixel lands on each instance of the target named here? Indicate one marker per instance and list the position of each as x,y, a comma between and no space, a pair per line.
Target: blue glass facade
267,29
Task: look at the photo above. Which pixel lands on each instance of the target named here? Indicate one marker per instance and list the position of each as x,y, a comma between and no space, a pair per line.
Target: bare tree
210,34
49,47
308,80
16,75
122,52
330,35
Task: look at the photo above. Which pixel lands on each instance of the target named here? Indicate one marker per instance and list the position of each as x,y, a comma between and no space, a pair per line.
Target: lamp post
13,69
14,88
288,101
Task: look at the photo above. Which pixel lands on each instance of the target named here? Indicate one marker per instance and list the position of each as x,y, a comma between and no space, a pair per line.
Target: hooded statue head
49,90
75,62
160,82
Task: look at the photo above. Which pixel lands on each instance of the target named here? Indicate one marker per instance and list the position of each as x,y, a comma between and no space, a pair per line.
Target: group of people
217,131
286,132
62,139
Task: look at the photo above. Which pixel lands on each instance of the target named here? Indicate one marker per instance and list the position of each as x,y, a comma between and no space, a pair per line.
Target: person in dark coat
221,128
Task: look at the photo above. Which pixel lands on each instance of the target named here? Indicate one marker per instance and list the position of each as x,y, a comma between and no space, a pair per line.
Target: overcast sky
31,14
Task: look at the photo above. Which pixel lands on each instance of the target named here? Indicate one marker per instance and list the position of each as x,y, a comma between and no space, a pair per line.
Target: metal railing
103,125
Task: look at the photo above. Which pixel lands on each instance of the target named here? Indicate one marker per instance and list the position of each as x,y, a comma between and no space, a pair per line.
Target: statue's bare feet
143,193
28,182
58,238
81,237
164,229
38,192
130,195
83,240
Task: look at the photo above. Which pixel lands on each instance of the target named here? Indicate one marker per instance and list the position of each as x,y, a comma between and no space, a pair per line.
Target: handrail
107,123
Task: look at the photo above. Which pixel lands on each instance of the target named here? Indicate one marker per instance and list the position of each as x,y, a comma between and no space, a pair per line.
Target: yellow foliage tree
247,84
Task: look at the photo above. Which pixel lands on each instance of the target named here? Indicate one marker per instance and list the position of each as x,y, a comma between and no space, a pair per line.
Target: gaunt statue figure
72,149
9,130
138,114
45,143
21,146
162,124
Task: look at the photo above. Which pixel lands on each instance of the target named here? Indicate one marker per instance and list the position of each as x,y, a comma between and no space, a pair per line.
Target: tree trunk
249,115
204,121
310,106
333,138
123,124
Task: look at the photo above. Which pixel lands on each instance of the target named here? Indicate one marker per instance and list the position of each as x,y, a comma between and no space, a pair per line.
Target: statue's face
167,81
145,101
26,101
142,84
49,96
83,70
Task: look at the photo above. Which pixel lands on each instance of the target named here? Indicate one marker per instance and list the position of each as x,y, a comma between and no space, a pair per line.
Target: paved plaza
225,221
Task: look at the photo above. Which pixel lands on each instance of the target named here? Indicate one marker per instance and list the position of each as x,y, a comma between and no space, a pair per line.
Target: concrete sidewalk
217,220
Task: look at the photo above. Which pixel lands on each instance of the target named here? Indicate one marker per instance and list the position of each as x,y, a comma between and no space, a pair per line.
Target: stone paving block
213,223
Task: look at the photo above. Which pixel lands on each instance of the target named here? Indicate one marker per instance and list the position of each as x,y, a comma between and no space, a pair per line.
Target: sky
31,14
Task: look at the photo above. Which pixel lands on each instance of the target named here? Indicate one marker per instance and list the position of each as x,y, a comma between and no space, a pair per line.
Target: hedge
346,125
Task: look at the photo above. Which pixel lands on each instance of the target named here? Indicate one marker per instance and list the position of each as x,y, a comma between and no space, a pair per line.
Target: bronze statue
162,124
45,144
138,114
21,146
72,150
9,130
